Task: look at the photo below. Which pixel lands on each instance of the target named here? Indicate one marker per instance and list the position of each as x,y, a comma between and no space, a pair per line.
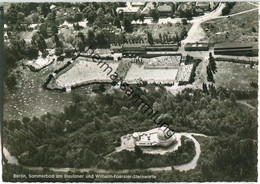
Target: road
196,33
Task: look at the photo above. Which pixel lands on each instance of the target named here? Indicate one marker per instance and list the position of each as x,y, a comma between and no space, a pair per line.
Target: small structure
206,6
196,47
137,4
165,10
156,137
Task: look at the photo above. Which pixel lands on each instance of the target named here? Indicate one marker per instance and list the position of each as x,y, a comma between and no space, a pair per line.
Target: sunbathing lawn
150,75
234,29
85,71
235,76
241,6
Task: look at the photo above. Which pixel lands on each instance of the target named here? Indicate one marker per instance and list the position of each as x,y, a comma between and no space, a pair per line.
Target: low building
165,10
155,137
127,10
116,49
196,47
162,47
206,6
236,49
137,4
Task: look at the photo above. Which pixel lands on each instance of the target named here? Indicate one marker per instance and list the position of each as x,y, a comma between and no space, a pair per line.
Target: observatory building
156,137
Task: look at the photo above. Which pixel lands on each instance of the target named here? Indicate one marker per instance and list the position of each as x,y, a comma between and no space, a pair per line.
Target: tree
233,98
184,21
117,22
20,17
39,42
210,75
78,16
58,51
212,63
221,96
138,151
205,88
203,103
141,18
98,123
225,11
150,38
177,37
106,118
11,82
57,40
154,13
89,158
91,37
91,17
140,163
183,33
160,37
127,24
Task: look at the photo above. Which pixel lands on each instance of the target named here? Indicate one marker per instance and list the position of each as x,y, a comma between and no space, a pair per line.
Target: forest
91,128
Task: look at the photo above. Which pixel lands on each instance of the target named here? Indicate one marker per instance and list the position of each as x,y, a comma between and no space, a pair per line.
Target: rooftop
233,45
164,8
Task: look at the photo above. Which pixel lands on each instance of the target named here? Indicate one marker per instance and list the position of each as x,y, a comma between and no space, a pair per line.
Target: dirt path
246,104
235,14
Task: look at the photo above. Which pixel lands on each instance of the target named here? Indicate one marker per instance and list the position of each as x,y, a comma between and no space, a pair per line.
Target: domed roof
164,133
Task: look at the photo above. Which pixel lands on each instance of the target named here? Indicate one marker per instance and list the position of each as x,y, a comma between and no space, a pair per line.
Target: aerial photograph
130,91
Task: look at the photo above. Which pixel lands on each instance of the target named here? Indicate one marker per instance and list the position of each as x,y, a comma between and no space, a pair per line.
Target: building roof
128,9
129,45
114,47
164,8
196,45
137,3
232,45
202,4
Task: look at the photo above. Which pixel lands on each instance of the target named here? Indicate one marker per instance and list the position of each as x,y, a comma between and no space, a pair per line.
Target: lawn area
85,71
237,28
137,73
241,6
235,76
31,100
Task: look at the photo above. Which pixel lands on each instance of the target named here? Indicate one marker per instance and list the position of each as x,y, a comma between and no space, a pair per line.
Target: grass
241,6
235,76
233,29
155,29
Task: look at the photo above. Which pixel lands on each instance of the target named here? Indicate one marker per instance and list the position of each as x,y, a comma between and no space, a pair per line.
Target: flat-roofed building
196,47
137,4
165,10
237,49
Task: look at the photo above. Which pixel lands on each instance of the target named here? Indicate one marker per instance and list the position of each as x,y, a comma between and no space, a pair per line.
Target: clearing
235,76
239,28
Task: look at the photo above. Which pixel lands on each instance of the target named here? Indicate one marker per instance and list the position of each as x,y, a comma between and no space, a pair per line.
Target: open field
237,28
241,6
85,71
150,75
235,76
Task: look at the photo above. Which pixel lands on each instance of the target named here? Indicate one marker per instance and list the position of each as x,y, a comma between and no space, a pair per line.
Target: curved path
183,167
